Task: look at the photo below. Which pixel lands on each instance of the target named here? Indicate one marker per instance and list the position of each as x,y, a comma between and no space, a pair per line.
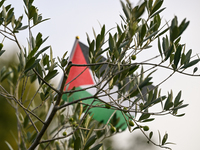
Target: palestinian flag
81,77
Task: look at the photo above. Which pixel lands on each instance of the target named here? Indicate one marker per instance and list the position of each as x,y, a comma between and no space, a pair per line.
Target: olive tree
70,125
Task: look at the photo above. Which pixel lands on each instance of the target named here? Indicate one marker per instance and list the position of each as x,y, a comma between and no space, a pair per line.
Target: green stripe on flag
99,114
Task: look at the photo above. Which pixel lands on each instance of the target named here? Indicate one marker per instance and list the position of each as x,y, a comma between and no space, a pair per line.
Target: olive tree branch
57,91
54,110
158,65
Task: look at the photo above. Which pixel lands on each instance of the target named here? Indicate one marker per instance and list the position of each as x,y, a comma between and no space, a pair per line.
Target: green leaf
4,12
162,33
90,132
150,95
111,43
150,36
87,121
168,52
1,46
159,47
96,147
121,38
177,55
179,107
1,2
149,5
144,116
115,120
159,136
145,82
45,60
4,75
57,146
88,39
150,135
187,57
155,101
39,39
64,62
132,69
157,22
26,121
2,51
192,63
40,19
50,75
77,142
169,103
98,43
174,33
94,33
8,7
177,99
183,26
102,32
195,70
23,28
126,10
10,15
157,4
137,127
174,22
176,43
180,115
119,30
153,26
32,53
158,12
164,138
140,10
124,44
31,63
28,3
41,51
91,49
183,57
148,120
142,32
35,18
32,10
90,142
33,136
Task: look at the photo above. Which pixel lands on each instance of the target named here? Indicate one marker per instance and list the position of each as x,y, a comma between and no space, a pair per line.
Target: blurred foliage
8,120
8,124
45,121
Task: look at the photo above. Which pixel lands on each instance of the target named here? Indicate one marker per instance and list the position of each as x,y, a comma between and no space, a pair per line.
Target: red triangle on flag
84,78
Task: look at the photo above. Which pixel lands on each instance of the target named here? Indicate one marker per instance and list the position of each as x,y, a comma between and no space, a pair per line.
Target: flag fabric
79,56
81,77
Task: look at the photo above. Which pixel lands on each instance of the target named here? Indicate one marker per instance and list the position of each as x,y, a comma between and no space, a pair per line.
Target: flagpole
74,47
70,58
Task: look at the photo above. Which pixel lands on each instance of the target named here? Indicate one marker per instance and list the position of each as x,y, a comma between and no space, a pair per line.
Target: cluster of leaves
33,65
173,50
87,133
91,132
119,68
117,74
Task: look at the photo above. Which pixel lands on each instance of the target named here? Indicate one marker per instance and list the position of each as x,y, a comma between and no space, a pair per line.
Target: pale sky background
70,18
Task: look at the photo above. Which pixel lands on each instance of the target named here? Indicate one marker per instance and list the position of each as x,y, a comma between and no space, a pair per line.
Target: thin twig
32,122
57,91
7,37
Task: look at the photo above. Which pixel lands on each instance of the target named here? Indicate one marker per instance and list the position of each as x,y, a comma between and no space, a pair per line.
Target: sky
74,18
